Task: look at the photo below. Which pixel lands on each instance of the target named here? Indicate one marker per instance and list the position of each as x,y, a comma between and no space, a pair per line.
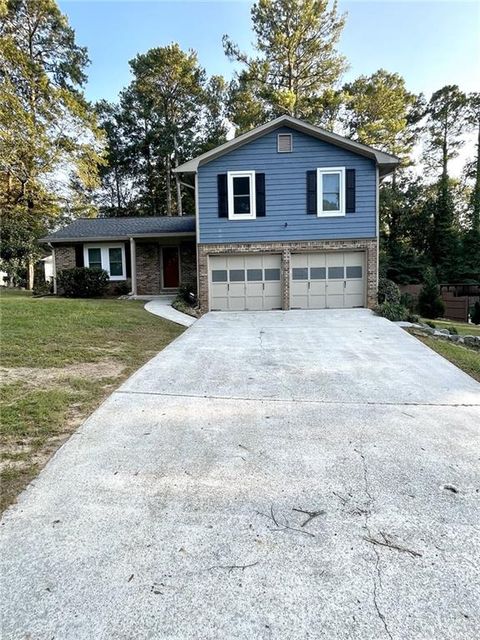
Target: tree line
61,156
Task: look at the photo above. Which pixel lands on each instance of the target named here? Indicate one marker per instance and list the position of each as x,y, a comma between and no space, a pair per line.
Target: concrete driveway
280,475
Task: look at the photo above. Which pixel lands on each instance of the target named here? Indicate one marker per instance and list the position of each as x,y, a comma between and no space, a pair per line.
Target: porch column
54,270
133,265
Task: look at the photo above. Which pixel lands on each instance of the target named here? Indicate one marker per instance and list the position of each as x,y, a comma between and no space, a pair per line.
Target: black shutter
260,194
222,195
350,191
79,255
128,260
312,192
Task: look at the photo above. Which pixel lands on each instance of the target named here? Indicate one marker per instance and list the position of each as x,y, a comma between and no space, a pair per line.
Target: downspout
197,230
377,214
54,268
133,266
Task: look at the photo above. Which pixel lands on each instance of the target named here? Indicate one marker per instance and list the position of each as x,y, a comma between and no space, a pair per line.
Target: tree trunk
168,171
31,274
177,178
476,191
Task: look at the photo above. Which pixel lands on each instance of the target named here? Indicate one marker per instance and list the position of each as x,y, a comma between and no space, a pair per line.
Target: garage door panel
335,301
243,282
255,303
334,259
327,280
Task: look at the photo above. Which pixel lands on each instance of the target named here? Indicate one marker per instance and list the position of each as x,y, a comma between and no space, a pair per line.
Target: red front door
171,278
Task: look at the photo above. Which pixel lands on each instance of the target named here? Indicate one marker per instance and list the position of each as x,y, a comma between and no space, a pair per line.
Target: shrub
388,291
475,313
430,304
412,317
122,289
393,311
188,291
42,289
431,324
82,282
407,300
452,330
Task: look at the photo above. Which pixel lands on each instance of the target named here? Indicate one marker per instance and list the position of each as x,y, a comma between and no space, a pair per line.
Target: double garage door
317,281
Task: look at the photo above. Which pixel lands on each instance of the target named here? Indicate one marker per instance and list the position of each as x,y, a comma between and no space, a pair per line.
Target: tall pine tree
296,68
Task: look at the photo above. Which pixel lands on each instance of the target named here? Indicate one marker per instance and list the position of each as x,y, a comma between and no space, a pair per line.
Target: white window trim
105,258
253,210
278,142
325,171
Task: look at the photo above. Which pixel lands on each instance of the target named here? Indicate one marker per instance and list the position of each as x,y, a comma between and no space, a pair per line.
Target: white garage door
245,283
328,280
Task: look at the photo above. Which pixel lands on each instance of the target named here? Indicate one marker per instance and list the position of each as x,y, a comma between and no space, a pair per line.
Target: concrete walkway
270,476
163,307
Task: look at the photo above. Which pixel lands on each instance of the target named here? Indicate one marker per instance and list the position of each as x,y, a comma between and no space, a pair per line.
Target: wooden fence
458,298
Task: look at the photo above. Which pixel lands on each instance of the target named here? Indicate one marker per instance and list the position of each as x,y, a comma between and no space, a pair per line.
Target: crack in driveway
377,580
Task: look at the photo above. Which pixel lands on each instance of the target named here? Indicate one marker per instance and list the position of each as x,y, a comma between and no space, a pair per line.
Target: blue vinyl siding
286,196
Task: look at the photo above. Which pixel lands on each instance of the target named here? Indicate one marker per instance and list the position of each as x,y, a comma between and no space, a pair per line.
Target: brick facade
369,246
149,266
64,257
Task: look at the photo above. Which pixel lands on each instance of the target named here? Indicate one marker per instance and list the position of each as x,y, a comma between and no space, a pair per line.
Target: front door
170,266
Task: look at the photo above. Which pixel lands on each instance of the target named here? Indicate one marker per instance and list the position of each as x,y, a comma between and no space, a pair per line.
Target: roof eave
135,236
381,158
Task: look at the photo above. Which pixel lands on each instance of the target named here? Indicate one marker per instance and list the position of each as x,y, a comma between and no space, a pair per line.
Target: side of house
143,256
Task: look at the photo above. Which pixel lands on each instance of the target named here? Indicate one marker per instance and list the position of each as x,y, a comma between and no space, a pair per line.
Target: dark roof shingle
122,228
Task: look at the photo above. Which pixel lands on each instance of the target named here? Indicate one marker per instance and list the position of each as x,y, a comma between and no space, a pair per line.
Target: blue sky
430,43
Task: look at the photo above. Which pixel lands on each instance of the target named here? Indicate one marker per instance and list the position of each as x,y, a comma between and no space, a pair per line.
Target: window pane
331,183
115,259
241,186
331,201
318,273
354,272
94,259
241,204
331,192
300,274
219,275
254,275
335,273
237,275
272,274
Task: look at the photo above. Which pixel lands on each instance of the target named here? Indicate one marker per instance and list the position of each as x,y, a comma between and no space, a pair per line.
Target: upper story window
331,192
241,195
109,257
284,143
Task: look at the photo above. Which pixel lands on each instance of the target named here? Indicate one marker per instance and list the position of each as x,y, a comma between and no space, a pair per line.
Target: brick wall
64,257
188,263
148,268
285,249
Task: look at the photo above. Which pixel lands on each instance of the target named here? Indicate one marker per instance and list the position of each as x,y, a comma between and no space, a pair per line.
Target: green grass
73,340
463,328
464,358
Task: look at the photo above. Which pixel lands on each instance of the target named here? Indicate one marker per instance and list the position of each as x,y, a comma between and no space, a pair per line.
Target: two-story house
286,218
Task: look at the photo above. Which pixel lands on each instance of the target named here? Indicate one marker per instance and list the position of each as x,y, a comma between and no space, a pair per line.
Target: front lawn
59,359
464,358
